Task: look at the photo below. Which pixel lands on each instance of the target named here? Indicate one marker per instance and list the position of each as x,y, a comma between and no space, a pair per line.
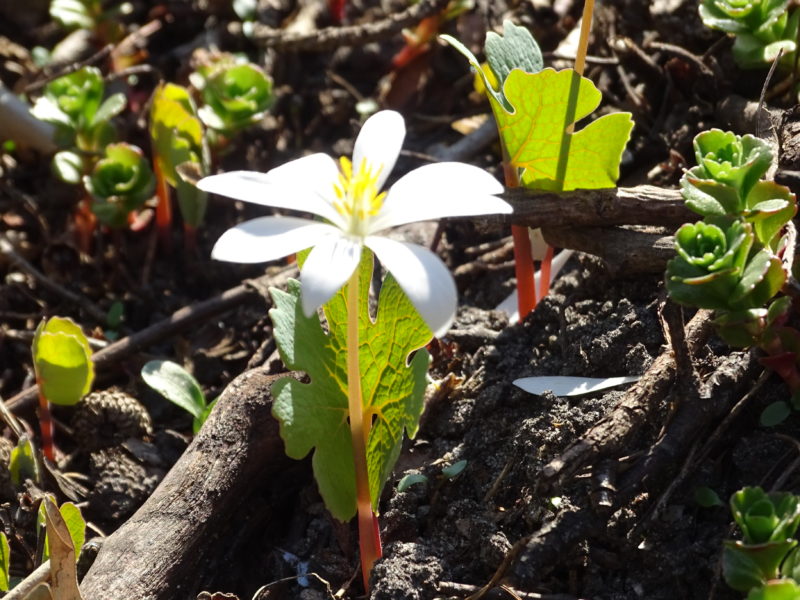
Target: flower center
357,195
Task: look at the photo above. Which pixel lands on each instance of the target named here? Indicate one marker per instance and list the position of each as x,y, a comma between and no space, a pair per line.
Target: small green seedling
92,15
120,183
235,93
449,472
22,464
76,525
768,522
5,562
178,140
74,104
178,386
64,371
706,497
762,28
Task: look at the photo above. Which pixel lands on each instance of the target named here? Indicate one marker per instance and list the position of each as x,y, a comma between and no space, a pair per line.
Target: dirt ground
621,523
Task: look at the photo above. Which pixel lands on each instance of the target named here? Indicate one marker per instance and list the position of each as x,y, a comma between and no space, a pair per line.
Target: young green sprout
348,197
64,371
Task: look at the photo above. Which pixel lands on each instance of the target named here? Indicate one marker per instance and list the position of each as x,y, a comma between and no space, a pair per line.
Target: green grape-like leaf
745,566
515,49
770,206
536,138
315,415
62,361
120,183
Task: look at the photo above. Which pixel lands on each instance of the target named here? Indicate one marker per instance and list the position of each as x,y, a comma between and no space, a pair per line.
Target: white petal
268,238
423,277
448,189
379,141
305,184
327,268
569,386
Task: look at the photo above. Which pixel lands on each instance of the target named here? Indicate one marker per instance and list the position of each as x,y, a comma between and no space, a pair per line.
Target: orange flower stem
163,208
523,259
46,426
368,532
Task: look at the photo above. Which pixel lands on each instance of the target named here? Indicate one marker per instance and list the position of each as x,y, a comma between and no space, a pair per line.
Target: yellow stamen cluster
357,196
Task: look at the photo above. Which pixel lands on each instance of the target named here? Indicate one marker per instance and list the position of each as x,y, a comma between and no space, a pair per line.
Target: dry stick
180,319
7,249
156,553
548,545
334,37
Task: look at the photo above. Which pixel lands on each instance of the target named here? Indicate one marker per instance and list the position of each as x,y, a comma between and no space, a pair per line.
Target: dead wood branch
625,251
640,205
335,37
162,548
649,474
616,429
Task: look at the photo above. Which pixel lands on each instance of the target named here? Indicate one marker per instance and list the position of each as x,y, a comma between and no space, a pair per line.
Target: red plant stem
163,208
46,426
523,259
544,276
85,223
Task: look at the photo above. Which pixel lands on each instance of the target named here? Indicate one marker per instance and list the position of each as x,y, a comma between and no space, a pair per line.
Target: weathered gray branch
158,550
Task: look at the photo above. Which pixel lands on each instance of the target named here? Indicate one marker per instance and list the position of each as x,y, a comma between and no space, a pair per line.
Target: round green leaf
775,414
62,360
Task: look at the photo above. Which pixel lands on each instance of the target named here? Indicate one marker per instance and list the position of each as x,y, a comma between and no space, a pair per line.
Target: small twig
683,53
334,37
7,249
179,320
98,56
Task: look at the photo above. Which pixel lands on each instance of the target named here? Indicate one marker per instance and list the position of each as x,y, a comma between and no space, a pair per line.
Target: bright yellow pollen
357,197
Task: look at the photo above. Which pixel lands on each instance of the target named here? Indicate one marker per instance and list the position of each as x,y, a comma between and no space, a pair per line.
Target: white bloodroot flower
349,197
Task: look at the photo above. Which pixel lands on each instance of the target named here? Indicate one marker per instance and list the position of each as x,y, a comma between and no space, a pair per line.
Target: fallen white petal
327,268
423,277
379,141
305,184
268,238
569,386
448,189
511,306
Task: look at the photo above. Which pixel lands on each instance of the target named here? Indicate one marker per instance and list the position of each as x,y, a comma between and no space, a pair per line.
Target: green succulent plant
120,183
235,95
762,27
765,517
74,103
716,269
780,589
768,522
